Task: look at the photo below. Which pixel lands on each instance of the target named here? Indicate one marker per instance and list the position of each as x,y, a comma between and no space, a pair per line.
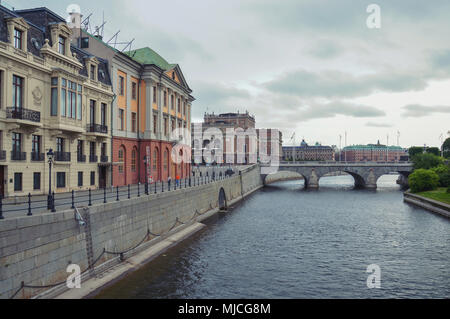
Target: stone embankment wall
36,250
427,203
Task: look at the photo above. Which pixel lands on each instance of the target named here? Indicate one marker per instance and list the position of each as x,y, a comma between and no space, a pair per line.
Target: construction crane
292,139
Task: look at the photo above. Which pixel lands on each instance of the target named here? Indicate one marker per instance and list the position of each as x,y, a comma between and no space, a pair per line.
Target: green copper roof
374,146
148,56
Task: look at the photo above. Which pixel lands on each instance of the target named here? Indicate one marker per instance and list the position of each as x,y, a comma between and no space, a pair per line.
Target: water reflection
283,242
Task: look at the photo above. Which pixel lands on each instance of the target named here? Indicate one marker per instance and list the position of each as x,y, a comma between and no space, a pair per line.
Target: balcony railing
104,159
97,128
23,114
37,157
18,156
62,156
81,158
2,155
93,158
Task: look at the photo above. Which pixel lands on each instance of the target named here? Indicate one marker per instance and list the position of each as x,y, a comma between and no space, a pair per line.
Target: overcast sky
312,67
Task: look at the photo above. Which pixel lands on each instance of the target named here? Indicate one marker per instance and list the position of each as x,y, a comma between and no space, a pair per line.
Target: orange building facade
152,99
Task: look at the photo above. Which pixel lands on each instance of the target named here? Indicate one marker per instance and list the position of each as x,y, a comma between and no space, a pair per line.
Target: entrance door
2,181
102,177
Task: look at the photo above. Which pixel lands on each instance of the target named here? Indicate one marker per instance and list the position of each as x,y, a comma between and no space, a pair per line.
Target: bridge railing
344,163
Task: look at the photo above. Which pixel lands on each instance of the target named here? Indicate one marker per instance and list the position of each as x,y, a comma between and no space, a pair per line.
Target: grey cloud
417,110
375,124
338,84
340,108
325,50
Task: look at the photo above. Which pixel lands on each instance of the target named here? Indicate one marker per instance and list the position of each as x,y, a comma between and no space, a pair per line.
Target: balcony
81,158
62,156
104,159
93,158
97,128
18,156
37,157
2,155
23,114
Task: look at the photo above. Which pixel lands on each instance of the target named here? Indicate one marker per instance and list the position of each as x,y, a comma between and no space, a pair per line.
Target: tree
434,150
413,150
443,171
446,148
423,180
426,161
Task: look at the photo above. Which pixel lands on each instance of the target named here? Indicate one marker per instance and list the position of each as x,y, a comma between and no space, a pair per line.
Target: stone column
312,181
371,180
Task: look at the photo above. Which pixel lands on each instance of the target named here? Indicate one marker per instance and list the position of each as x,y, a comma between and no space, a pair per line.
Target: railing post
29,205
139,192
104,194
168,182
1,207
146,187
155,187
73,200
162,186
53,202
117,193
90,198
129,191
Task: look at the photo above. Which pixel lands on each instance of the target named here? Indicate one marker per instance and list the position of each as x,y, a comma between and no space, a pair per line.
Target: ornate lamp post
146,162
50,162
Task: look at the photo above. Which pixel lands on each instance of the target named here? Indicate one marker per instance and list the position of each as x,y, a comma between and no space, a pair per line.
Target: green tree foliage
446,148
434,150
414,150
426,161
423,180
443,171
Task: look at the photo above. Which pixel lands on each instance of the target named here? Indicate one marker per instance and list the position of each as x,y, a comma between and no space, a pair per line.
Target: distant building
306,152
373,153
233,121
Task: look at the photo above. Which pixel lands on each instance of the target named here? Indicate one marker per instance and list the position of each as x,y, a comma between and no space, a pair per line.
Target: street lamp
50,155
146,177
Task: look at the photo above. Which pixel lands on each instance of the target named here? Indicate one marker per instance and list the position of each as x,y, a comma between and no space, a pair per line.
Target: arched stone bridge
365,174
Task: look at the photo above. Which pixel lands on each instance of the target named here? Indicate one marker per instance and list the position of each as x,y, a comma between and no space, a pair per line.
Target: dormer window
62,45
92,73
173,75
18,38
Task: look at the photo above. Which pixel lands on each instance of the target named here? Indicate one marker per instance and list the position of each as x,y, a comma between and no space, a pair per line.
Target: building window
121,85
61,45
155,159
121,119
63,97
171,102
59,144
165,98
154,94
17,182
133,90
54,97
92,178
121,159
133,160
166,159
72,100
92,148
80,179
173,124
93,77
16,142
133,121
155,122
18,36
36,180
103,114
103,149
166,126
36,144
173,75
179,106
60,179
92,111
17,91
79,107
80,148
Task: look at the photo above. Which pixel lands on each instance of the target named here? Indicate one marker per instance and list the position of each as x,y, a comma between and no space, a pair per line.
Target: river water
284,242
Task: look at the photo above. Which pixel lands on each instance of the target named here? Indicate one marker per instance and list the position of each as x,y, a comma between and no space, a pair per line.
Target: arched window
166,159
133,159
121,156
155,159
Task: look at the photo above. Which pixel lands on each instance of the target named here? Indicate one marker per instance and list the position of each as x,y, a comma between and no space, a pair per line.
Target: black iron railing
18,156
62,156
93,158
21,113
97,128
81,158
104,159
39,203
37,157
